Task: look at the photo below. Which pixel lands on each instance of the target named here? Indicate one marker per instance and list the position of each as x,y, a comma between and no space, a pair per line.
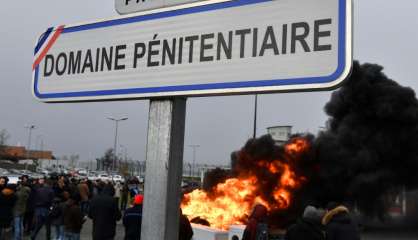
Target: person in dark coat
185,231
339,224
42,200
257,217
105,213
28,219
309,227
124,197
73,218
7,201
56,214
132,219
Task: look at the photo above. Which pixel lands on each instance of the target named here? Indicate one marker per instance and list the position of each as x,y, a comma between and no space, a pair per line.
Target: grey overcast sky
385,33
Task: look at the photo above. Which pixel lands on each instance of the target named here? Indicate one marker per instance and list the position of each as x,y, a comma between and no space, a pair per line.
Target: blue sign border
212,86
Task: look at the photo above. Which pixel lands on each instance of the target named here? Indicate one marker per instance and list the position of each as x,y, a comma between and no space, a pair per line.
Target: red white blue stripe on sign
45,44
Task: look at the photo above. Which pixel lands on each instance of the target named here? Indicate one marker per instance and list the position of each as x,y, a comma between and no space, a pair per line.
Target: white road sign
131,6
204,48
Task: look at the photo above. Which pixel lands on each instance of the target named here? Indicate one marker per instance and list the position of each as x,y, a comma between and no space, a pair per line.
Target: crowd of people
333,223
62,205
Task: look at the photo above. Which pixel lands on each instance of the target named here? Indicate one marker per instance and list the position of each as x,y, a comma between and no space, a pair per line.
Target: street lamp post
30,128
39,143
255,116
116,139
194,156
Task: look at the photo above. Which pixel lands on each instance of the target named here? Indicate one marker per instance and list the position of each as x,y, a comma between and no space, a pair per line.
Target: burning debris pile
263,173
369,148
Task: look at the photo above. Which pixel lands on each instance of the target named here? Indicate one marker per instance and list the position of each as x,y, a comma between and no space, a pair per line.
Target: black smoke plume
370,148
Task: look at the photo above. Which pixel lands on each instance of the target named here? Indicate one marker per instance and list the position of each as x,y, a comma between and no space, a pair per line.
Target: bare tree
105,162
73,160
4,137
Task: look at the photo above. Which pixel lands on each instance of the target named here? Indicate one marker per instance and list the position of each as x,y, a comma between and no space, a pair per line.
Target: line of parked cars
104,176
14,174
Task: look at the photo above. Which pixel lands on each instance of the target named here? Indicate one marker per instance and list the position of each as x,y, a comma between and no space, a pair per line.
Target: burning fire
231,202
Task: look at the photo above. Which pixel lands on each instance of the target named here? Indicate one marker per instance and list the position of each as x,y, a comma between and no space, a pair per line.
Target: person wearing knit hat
138,199
132,219
308,227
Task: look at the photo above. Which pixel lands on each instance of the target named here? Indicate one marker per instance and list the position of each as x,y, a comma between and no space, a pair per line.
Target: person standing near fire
185,228
309,227
132,219
256,228
339,223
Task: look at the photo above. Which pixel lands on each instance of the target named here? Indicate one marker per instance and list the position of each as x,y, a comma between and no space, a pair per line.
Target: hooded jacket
7,201
340,225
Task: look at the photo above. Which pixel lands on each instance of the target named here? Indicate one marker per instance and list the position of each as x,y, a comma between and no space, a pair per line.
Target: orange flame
297,145
231,202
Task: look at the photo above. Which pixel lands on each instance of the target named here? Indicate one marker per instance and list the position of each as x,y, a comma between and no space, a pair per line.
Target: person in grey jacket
19,210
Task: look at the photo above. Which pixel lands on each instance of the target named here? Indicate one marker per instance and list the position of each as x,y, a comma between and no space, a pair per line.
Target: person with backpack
257,228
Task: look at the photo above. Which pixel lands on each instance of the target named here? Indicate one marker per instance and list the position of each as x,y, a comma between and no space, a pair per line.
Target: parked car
13,179
117,178
4,172
92,177
103,177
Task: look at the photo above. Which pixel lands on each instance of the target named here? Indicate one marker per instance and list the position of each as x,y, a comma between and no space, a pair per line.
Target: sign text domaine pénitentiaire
216,47
182,50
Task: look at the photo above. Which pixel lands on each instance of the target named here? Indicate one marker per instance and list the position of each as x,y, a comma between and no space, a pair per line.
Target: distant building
280,134
16,153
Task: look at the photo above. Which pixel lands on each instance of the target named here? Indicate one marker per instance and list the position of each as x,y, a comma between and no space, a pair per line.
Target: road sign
205,48
132,6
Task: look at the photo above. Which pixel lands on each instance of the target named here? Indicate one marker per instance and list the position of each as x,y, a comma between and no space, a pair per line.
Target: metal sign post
165,143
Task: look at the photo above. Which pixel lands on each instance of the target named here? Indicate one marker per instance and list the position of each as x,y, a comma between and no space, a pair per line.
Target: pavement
376,234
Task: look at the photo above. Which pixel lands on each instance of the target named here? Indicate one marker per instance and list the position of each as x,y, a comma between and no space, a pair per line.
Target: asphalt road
381,234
